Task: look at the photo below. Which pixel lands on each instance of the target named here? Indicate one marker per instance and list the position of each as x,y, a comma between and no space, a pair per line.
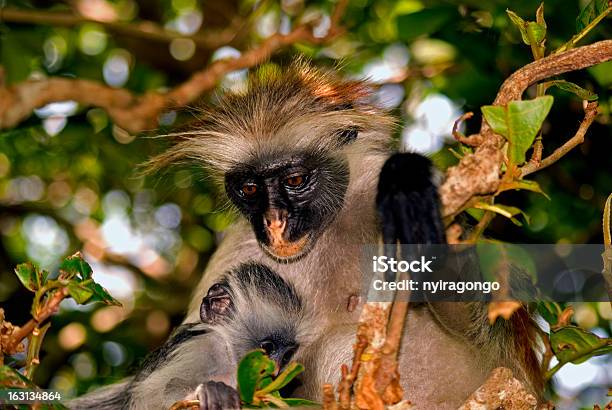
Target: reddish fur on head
295,107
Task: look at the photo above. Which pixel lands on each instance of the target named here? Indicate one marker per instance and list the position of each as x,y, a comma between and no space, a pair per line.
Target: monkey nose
275,219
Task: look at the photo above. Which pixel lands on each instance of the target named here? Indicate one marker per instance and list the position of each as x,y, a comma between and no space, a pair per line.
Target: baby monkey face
253,313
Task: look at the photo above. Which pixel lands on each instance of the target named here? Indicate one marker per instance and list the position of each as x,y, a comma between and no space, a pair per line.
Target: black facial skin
279,348
305,190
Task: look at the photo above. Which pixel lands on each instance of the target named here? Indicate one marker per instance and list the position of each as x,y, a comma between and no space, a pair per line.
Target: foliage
518,122
258,387
75,280
68,175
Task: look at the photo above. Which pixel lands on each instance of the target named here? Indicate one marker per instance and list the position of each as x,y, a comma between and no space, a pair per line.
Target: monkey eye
295,181
248,189
268,347
288,356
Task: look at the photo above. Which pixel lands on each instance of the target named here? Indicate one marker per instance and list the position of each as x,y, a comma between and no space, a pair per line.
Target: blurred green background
69,181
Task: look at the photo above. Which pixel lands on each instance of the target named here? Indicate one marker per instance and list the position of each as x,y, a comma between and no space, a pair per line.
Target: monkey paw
217,396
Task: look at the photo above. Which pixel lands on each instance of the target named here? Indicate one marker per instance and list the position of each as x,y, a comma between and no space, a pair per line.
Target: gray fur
448,349
196,352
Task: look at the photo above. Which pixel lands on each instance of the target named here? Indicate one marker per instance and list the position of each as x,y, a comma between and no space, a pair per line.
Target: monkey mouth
287,251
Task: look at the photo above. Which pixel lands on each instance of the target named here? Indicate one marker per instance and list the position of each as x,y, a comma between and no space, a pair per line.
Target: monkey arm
190,357
190,361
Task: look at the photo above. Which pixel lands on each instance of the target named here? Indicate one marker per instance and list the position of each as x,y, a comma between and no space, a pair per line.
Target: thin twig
481,226
387,368
185,404
136,113
349,377
479,173
146,30
329,398
576,38
50,306
473,140
590,113
33,357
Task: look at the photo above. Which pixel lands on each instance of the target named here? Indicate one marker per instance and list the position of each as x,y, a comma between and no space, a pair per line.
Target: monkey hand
217,396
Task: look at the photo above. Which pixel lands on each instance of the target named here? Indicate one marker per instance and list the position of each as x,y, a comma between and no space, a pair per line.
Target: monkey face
279,348
289,201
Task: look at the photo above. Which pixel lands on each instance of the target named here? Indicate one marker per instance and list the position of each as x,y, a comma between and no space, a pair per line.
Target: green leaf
519,23
290,372
540,15
529,30
101,295
526,185
475,213
504,210
26,272
300,402
536,31
253,367
589,13
75,265
550,311
575,345
426,21
518,122
572,88
81,294
11,378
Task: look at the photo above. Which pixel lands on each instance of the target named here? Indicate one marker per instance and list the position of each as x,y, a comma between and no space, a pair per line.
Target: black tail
408,203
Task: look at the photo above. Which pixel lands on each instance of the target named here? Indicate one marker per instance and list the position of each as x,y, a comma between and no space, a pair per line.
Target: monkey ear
216,305
348,135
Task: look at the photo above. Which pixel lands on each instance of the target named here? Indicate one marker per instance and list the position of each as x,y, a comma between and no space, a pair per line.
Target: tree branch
49,308
146,30
479,173
590,113
500,391
136,113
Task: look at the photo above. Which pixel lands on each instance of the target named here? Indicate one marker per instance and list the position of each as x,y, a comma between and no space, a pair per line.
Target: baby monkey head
254,308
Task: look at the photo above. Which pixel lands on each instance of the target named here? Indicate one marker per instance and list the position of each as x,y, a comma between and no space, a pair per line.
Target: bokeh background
69,177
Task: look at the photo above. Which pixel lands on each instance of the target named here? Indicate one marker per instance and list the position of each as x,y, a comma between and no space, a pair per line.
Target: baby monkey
251,307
